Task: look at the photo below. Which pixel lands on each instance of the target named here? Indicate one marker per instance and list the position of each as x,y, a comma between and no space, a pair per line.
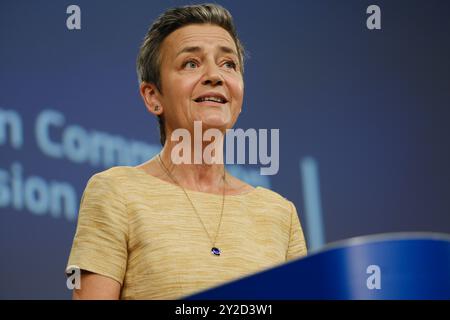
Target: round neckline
152,177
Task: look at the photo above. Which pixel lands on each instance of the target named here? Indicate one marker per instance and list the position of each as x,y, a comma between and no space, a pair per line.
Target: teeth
215,99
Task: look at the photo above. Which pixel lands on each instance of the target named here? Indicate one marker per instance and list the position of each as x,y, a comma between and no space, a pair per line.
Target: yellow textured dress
143,232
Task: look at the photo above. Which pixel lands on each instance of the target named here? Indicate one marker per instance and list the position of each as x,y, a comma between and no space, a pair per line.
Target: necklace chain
192,204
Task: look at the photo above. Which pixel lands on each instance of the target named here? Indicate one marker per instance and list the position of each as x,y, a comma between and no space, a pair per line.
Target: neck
202,177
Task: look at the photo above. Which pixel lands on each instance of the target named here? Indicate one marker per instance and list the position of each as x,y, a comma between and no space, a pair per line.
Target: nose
212,76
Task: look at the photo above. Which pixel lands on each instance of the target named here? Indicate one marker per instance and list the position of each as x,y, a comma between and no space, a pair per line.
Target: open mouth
212,98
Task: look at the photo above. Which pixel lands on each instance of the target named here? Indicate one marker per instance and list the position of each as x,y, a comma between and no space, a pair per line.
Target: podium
384,266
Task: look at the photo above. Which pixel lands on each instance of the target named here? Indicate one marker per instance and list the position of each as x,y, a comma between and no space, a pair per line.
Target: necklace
214,250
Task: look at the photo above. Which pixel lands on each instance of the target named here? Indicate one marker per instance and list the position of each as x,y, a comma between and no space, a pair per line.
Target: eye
230,64
190,64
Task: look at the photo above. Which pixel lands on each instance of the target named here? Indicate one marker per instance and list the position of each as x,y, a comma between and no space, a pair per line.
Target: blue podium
385,266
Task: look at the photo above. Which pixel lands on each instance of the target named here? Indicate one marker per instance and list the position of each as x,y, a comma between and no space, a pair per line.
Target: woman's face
200,78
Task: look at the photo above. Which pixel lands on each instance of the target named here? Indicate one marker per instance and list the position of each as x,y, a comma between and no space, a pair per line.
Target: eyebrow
224,49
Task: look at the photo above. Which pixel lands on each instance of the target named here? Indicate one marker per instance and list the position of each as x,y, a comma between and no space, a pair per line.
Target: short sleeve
297,244
100,242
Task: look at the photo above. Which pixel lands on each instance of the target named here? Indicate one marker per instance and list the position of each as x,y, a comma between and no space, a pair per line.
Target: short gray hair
149,58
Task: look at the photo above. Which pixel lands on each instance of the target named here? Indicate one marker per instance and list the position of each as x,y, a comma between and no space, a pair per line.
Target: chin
214,120
214,123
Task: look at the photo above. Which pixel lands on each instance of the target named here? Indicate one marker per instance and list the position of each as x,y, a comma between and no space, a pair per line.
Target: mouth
211,99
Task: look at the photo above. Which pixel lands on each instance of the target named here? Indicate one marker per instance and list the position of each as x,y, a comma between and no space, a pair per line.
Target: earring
156,108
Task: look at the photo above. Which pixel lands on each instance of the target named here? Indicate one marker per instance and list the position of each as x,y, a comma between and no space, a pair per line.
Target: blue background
371,107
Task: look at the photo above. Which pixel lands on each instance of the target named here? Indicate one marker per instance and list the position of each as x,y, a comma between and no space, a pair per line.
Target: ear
152,98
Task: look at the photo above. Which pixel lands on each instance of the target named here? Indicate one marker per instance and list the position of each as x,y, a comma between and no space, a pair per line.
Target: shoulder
118,174
112,180
103,199
115,173
271,197
130,184
264,196
270,206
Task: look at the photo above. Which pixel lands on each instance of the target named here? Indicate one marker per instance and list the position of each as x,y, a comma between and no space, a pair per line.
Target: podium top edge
371,238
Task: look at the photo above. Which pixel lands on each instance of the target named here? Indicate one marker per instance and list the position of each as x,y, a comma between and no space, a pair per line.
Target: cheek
236,87
187,84
180,89
237,92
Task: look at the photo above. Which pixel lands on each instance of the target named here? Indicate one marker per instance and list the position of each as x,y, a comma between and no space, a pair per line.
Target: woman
162,230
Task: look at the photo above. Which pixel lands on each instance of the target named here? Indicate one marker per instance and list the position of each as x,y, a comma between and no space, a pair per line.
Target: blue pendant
215,251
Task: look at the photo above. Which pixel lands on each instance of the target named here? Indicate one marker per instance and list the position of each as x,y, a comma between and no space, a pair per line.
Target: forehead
203,35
